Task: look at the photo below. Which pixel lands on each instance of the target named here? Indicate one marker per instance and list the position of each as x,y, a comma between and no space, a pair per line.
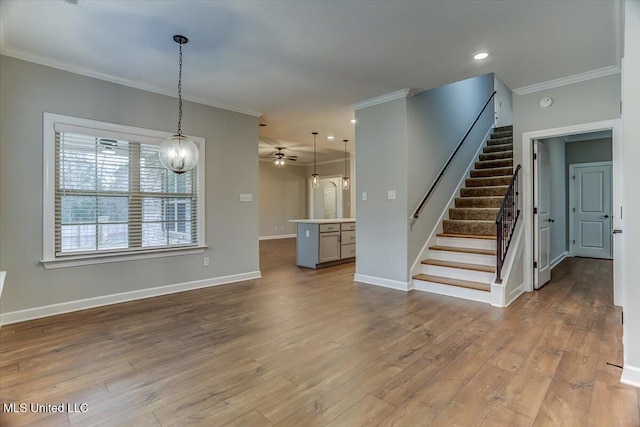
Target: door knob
551,220
606,216
617,231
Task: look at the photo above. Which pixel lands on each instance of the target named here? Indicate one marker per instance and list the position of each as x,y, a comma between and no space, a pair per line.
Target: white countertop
324,221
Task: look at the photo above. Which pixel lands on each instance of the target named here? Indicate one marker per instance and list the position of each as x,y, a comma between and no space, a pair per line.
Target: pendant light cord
315,134
345,156
180,93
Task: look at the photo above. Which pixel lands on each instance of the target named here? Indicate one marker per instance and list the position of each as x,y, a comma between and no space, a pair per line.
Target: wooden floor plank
313,348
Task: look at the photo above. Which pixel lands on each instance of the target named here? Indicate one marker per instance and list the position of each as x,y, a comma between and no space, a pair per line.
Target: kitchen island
325,242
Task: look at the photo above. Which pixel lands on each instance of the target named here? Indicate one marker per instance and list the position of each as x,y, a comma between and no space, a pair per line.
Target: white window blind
113,195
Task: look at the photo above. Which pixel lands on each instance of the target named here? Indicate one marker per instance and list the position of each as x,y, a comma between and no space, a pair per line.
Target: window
107,196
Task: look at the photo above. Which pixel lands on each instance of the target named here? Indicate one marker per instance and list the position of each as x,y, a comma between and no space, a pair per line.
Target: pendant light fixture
178,153
345,177
315,178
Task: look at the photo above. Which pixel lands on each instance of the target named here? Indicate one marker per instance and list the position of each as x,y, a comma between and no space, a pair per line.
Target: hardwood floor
306,347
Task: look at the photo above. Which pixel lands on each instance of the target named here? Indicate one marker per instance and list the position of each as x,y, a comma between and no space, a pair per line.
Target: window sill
80,260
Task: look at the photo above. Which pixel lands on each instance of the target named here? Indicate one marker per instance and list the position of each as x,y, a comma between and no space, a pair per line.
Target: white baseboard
630,376
559,259
277,236
379,281
83,304
514,294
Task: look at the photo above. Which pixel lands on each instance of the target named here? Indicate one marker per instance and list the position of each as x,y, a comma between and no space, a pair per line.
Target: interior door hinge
535,211
574,209
535,156
574,177
535,264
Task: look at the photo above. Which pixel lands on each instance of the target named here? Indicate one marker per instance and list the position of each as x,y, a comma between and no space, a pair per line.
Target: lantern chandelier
178,153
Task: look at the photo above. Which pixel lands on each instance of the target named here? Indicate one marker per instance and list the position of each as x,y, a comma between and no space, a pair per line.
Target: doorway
559,234
326,201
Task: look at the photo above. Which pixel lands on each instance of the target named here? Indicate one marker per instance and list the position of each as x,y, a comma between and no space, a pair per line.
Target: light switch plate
246,197
364,195
391,194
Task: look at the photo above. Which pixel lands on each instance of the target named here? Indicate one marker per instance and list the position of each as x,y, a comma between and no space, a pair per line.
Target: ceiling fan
279,157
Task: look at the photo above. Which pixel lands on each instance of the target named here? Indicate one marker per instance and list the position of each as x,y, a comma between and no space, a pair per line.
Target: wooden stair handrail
416,212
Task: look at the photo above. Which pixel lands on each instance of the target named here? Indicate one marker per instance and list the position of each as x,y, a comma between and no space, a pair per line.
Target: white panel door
542,220
591,210
330,200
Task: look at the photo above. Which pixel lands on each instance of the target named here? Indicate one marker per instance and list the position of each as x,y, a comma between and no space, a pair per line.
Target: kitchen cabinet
322,243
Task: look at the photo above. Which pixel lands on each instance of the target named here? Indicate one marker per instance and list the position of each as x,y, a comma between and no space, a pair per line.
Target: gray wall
503,104
381,231
585,102
437,120
28,90
631,235
283,196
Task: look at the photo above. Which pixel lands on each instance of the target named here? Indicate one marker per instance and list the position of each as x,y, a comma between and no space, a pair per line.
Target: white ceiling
302,64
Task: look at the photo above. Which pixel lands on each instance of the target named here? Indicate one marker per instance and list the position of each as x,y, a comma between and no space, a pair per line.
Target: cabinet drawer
348,237
348,226
347,251
324,228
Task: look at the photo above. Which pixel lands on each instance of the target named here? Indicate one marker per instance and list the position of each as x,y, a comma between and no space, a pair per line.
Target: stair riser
461,242
484,173
492,164
500,141
484,191
457,273
498,155
478,202
479,259
487,182
471,228
497,148
473,213
452,291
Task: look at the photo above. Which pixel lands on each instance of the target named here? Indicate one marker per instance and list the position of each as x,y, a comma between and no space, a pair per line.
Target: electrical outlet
306,233
206,261
364,195
391,195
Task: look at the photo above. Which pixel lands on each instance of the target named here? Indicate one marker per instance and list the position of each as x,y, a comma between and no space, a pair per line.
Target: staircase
463,261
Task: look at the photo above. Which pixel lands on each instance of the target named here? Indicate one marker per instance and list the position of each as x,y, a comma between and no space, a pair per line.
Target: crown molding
404,93
564,81
52,63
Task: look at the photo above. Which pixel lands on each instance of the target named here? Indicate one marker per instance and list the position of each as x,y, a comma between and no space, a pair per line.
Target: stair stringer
415,267
512,286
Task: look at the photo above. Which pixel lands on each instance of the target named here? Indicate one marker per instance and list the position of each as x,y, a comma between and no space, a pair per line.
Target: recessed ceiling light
330,137
353,121
480,55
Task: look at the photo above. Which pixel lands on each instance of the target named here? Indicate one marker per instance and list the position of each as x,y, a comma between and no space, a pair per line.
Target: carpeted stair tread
461,265
488,214
488,191
489,164
497,148
466,236
498,135
487,181
500,141
496,155
474,227
479,202
507,128
462,250
489,172
454,282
